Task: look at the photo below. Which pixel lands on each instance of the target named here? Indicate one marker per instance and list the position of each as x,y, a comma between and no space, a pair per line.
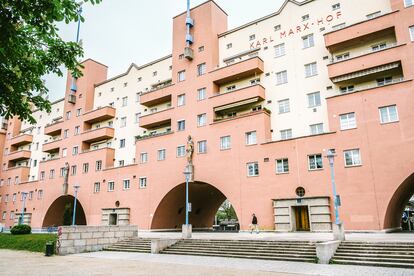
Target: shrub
21,229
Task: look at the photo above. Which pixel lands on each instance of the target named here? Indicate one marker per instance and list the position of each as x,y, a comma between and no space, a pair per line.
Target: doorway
301,218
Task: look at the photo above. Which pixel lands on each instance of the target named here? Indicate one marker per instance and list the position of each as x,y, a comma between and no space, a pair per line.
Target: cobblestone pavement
100,263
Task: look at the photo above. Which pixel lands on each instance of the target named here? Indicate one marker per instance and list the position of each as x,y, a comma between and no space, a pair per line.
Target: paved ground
120,263
373,236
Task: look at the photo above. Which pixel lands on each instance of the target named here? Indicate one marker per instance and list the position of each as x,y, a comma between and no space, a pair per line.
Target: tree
30,48
67,215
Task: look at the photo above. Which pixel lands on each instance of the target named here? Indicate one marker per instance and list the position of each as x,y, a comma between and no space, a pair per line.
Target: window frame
388,114
342,127
227,143
256,171
316,156
283,161
352,151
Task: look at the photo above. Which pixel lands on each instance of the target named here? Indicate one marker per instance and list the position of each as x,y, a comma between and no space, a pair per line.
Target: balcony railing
371,86
52,146
149,136
98,134
157,96
54,128
238,70
99,114
21,140
155,119
238,97
19,155
388,46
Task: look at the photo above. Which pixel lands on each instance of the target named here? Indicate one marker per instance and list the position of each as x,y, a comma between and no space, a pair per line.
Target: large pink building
263,103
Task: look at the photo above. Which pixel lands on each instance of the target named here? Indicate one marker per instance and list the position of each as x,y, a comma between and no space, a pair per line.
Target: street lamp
76,188
187,174
338,229
21,219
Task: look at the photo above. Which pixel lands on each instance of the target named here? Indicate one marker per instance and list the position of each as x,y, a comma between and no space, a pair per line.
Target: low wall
159,245
78,239
326,250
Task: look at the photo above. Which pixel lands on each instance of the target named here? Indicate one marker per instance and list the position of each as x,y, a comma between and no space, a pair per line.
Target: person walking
255,226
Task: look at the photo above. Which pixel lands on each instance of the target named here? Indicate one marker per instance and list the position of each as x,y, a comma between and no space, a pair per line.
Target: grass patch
30,242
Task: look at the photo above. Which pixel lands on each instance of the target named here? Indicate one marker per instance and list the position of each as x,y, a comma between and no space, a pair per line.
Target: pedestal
187,231
338,231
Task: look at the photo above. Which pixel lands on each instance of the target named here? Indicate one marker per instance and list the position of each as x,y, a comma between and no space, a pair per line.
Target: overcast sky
119,32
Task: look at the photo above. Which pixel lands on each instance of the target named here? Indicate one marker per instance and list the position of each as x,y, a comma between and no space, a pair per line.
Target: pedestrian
254,226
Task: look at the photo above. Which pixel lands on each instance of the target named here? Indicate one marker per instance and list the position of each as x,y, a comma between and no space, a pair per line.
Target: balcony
156,119
19,155
99,115
52,146
106,154
54,129
364,30
239,70
157,96
21,171
149,136
98,134
367,64
21,140
242,96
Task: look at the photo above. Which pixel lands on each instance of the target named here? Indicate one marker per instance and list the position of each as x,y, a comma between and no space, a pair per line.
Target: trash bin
50,248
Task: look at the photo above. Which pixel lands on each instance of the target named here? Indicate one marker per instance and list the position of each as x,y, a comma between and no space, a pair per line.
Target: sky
120,32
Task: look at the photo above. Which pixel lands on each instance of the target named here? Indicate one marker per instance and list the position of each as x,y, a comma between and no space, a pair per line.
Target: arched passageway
398,203
56,212
205,200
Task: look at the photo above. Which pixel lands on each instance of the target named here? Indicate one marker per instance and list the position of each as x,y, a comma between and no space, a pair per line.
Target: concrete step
242,252
128,250
374,259
370,254
252,248
373,263
249,246
376,247
379,245
250,242
247,256
382,252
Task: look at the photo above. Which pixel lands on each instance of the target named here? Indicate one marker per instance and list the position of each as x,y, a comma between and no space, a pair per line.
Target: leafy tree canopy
30,48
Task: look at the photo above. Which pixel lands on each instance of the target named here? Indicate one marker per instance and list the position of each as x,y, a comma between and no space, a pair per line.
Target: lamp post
187,174
338,230
21,219
76,188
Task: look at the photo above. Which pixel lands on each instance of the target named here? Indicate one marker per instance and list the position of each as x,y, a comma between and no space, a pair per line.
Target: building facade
263,103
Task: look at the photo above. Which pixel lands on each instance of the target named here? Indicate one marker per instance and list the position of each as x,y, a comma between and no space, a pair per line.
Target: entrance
60,212
301,218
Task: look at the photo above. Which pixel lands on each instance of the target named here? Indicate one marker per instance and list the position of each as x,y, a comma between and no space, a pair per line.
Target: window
352,158
347,89
284,106
342,56
122,143
126,184
201,69
201,120
78,112
384,81
286,134
4,215
255,81
37,146
379,46
181,100
111,186
97,187
308,41
68,115
6,198
38,130
252,37
11,215
34,163
181,125
62,172
225,142
336,6
282,166
347,121
408,3
154,74
280,50
66,133
373,15
316,129
181,76
124,101
305,17
161,154
314,99
251,138
339,26
253,169
281,77
311,70
201,94
112,89
137,97
75,150
125,84
180,151
142,182
52,174
412,33
77,130
229,45
16,180
277,28
123,121
85,167
230,88
31,195
98,165
201,49
121,163
73,170
181,56
202,146
40,194
143,157
42,175
137,115
388,114
315,162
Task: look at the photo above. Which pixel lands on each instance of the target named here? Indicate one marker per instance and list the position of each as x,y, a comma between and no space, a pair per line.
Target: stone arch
54,214
205,200
398,202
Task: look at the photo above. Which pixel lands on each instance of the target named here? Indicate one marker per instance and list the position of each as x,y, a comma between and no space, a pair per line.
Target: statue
190,150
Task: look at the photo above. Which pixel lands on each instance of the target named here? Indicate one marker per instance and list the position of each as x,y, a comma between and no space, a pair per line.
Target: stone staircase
386,254
298,251
131,245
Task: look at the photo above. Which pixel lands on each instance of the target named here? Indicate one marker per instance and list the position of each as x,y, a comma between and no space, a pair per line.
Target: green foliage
67,214
30,48
226,214
21,229
32,242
